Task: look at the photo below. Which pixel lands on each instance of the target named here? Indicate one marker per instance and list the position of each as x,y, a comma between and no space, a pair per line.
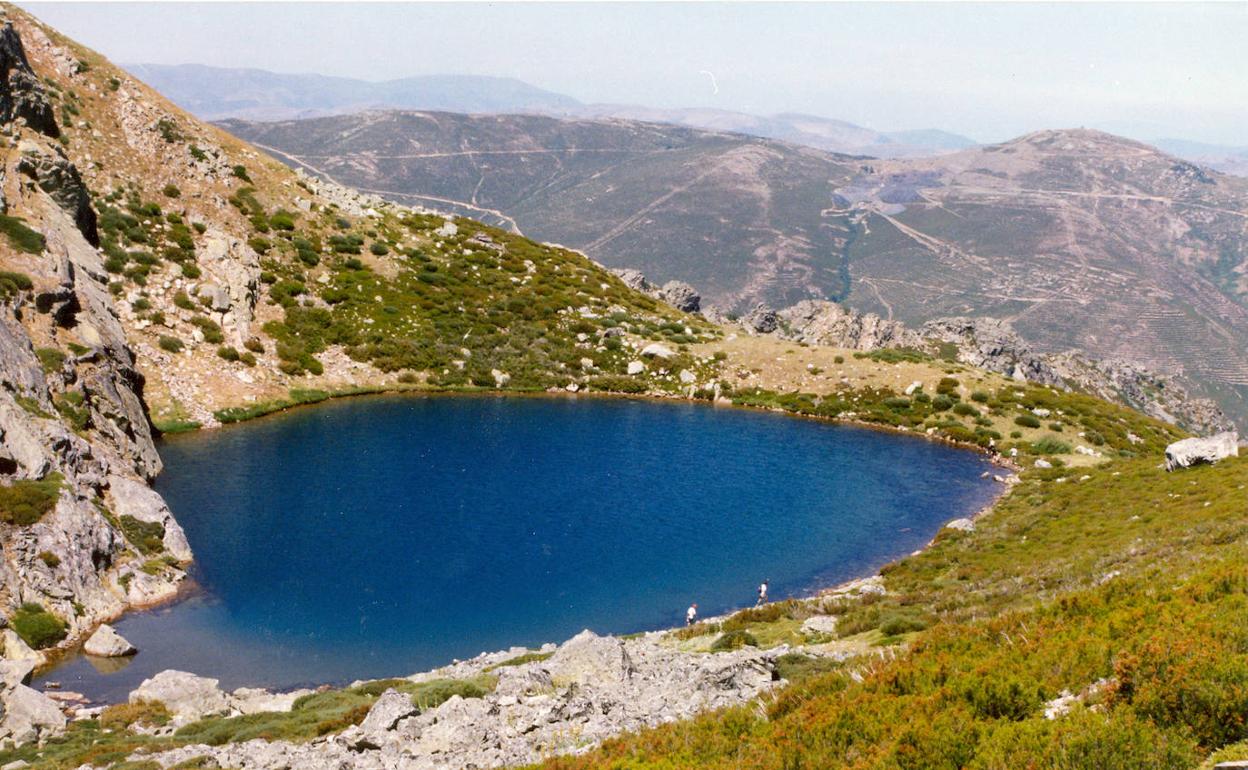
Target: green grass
146,536
520,660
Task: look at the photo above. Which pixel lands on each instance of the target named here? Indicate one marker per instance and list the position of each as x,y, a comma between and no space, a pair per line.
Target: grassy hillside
1123,586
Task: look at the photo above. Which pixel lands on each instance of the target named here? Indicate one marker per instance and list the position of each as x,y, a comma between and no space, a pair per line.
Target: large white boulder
29,714
188,697
107,643
1198,451
590,659
657,350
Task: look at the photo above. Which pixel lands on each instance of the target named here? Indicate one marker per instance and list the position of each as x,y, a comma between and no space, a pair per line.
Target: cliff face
84,537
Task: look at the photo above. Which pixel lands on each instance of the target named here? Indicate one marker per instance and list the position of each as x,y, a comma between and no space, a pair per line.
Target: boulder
387,711
107,643
29,714
761,319
21,93
15,648
819,624
961,525
1201,451
635,280
681,296
636,367
253,700
590,659
188,697
657,350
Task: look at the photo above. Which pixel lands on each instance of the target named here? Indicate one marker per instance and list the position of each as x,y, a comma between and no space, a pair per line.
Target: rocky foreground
565,698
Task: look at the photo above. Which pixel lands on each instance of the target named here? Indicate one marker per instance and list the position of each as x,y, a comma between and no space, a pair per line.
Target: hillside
1080,239
737,217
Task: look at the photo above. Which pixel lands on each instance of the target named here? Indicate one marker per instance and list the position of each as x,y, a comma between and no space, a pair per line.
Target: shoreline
188,588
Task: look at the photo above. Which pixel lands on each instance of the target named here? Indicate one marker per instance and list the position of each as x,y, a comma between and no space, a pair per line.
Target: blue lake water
381,536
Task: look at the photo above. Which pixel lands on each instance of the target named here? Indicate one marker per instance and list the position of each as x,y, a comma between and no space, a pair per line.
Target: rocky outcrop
29,715
47,165
591,688
1201,451
992,344
818,322
21,94
231,283
761,319
72,413
681,296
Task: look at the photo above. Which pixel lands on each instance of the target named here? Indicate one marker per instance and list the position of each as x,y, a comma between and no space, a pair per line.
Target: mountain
1081,239
810,130
221,92
1229,160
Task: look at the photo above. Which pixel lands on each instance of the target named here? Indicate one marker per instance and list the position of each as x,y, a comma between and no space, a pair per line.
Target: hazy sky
986,70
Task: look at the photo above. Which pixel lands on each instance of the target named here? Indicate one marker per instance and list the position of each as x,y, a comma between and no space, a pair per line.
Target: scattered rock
961,525
30,715
636,367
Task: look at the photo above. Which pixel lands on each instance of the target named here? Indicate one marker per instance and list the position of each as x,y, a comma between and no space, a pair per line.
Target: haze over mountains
217,93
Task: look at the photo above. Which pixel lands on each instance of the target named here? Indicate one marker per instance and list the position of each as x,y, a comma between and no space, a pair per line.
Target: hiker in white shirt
691,614
762,593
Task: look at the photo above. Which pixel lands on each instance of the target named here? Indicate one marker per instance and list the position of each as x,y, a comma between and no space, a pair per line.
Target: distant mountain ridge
215,93
220,93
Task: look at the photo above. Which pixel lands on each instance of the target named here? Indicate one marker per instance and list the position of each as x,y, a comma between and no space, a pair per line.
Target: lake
381,536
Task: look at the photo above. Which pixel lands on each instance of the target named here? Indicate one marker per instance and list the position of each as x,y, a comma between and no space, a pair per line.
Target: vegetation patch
37,627
26,501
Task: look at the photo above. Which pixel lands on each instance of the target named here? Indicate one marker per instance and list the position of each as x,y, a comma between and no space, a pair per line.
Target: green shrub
1027,421
897,623
379,249
169,130
182,300
11,283
1050,445
26,501
980,397
38,628
147,536
734,640
254,345
20,236
947,386
228,353
170,344
241,173
50,359
966,410
171,191
50,559
942,403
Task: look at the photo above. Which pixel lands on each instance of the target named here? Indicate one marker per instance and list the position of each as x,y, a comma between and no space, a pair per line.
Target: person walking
691,614
762,593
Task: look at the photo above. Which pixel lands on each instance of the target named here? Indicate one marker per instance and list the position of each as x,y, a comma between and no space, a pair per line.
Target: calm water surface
381,536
